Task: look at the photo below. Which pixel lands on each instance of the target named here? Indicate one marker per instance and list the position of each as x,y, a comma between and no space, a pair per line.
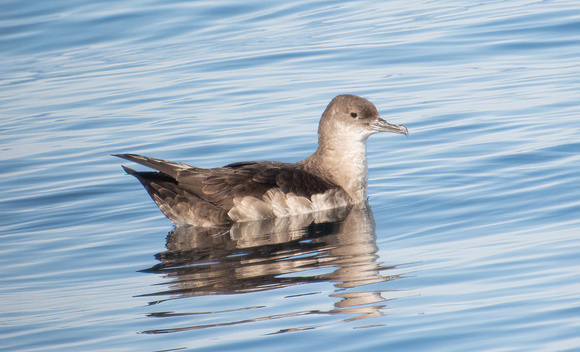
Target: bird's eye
353,114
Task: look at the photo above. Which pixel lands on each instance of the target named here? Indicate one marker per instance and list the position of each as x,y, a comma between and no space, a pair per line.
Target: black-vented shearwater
336,175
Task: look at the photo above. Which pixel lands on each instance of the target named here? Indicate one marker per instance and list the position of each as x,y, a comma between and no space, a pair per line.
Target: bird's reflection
266,255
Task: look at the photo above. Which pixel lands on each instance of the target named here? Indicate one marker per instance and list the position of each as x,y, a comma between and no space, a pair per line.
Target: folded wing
181,191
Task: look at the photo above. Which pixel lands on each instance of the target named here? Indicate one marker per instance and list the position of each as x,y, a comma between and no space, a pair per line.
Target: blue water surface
477,237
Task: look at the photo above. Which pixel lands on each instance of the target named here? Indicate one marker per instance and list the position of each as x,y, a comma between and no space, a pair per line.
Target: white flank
277,204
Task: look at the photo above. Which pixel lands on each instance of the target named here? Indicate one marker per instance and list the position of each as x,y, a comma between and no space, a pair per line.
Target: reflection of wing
248,251
181,190
276,253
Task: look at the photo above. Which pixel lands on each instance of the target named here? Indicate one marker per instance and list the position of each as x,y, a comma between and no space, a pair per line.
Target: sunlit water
477,238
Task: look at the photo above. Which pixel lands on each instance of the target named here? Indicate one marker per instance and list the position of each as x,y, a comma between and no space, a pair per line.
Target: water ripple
477,210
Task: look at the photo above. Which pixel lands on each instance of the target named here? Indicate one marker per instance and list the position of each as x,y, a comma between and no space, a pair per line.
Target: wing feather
219,187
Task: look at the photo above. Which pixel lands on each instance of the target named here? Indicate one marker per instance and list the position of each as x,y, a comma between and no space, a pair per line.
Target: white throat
342,157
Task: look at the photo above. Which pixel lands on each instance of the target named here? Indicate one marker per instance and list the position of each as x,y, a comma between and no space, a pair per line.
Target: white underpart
275,204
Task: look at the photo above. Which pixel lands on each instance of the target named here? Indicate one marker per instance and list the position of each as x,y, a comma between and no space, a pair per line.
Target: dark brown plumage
334,176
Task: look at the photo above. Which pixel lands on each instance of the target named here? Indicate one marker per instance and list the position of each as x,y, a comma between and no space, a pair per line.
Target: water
477,212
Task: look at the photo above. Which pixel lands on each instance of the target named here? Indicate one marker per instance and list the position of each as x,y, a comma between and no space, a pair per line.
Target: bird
334,176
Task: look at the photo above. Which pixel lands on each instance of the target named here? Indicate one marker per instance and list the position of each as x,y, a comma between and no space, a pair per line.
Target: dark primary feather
219,186
167,167
177,204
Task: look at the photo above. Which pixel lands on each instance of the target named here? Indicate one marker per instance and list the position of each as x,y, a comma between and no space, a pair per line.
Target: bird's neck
343,161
